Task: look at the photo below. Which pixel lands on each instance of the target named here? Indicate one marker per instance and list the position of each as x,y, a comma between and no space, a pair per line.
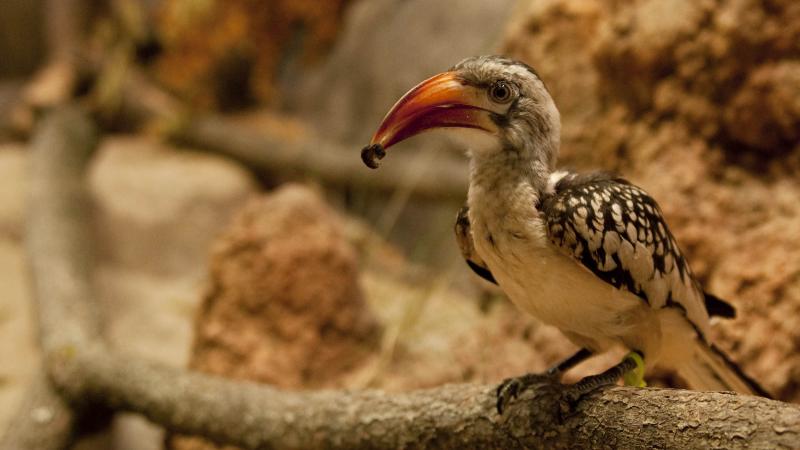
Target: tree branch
267,153
334,164
257,416
53,84
453,416
57,241
59,231
43,421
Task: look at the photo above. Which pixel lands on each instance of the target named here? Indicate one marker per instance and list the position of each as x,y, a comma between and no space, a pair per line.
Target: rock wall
699,103
176,201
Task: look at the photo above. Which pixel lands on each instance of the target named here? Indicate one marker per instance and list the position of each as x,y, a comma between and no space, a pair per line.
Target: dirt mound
284,305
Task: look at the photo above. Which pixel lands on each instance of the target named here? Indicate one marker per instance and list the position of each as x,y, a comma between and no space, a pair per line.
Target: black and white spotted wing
616,230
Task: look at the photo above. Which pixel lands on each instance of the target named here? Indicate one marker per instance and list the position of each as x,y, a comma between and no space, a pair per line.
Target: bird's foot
511,388
631,368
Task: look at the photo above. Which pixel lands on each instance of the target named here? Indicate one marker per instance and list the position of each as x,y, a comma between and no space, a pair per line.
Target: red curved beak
442,101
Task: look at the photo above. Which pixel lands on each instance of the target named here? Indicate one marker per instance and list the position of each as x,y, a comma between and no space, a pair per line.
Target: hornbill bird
588,253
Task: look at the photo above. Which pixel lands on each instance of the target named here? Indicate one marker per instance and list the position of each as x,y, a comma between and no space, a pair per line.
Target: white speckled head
496,106
529,119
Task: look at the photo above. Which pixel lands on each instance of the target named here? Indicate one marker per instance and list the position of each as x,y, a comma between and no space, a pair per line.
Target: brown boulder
765,113
159,208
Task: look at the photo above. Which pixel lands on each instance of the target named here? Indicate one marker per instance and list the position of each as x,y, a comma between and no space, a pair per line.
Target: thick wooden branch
257,416
44,421
59,230
450,417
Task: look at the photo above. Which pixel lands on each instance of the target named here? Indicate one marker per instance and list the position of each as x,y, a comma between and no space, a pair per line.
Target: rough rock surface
765,113
697,102
158,208
284,305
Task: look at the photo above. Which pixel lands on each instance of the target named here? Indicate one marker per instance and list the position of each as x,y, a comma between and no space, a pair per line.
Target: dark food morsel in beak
371,154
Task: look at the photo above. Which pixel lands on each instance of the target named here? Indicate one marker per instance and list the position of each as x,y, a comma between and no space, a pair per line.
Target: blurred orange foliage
217,52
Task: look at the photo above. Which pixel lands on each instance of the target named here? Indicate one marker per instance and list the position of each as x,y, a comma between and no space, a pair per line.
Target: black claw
511,388
567,404
371,154
572,396
567,396
507,390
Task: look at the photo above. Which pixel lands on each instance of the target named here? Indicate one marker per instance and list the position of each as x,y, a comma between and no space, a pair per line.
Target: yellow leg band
635,377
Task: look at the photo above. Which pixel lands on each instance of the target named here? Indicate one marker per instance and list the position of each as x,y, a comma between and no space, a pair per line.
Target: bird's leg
570,362
511,388
633,363
635,377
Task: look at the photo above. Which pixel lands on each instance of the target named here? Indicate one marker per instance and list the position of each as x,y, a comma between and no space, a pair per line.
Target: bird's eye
500,92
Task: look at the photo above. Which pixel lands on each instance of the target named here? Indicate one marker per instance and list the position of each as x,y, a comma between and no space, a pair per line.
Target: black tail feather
718,307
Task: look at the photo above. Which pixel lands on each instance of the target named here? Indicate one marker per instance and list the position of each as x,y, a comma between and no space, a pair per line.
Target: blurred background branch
59,244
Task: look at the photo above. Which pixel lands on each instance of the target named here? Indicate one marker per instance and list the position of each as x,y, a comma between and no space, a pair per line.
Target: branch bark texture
451,417
57,240
255,416
44,420
59,231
